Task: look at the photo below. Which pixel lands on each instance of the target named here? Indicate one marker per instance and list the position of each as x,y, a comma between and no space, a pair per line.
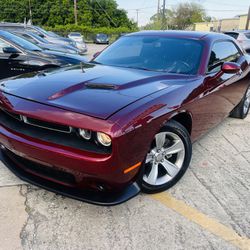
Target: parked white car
243,37
79,39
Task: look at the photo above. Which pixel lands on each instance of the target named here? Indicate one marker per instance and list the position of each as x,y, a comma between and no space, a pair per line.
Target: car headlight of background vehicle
100,138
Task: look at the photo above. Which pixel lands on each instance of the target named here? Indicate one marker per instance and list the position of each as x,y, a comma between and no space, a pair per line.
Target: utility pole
137,17
75,11
248,19
158,10
30,11
163,25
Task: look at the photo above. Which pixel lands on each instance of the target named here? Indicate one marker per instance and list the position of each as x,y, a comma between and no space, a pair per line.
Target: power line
111,20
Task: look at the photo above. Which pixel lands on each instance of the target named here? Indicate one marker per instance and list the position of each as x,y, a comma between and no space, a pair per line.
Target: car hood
94,90
59,54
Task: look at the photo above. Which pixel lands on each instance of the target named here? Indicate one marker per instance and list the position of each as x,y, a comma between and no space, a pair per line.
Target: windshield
104,36
20,42
75,34
42,31
173,55
40,39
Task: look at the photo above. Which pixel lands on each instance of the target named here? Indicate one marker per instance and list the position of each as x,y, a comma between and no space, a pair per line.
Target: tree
186,14
95,13
180,17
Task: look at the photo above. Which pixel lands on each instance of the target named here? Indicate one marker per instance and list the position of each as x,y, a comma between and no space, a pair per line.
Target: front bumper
91,176
98,198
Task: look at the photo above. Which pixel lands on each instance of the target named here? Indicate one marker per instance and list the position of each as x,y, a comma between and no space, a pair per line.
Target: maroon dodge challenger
124,122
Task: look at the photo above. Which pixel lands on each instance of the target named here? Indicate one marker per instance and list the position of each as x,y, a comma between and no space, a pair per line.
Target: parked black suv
18,56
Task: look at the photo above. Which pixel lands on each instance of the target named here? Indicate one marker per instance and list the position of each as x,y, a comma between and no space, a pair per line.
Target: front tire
242,109
168,159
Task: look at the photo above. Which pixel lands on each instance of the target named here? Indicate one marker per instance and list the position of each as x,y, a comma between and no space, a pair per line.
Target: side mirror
96,54
230,68
10,50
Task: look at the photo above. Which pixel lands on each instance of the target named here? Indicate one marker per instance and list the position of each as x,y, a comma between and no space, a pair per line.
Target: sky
215,8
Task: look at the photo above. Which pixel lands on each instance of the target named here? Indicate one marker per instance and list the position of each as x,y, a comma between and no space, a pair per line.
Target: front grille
47,125
42,170
13,115
39,123
49,132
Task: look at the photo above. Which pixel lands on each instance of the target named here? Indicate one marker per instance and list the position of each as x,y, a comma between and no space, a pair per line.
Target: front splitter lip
96,198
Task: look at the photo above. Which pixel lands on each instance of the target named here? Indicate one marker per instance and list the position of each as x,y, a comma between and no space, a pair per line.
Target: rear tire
167,160
242,109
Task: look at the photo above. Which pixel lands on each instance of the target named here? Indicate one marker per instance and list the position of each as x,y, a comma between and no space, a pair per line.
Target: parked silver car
49,36
79,39
243,37
44,44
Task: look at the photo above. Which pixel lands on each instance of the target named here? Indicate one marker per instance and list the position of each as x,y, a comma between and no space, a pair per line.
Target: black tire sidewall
244,115
177,128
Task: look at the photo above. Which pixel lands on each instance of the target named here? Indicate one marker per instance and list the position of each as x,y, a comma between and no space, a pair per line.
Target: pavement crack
23,192
29,232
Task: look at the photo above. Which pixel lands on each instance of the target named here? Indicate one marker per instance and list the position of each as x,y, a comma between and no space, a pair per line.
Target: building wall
221,25
230,24
206,26
243,22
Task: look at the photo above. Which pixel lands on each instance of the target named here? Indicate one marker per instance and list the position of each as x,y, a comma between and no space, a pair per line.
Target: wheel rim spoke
163,163
160,140
149,158
175,148
152,177
171,168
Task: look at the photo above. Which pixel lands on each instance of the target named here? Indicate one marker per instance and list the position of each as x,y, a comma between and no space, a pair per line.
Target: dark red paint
131,113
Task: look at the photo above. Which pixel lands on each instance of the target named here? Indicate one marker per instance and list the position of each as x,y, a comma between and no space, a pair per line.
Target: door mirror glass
10,50
230,68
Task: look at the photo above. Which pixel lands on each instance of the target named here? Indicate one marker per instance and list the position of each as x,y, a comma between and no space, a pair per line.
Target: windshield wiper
141,68
95,62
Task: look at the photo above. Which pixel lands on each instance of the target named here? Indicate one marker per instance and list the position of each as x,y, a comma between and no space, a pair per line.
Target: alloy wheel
165,159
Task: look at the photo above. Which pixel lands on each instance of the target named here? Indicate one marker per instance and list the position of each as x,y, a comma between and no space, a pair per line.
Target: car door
12,64
231,87
5,69
221,92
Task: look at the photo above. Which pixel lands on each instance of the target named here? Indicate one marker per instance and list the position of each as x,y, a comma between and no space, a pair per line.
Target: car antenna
81,63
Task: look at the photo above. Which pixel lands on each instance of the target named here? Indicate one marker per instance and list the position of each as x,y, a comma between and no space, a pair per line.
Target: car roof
182,34
237,31
13,24
4,32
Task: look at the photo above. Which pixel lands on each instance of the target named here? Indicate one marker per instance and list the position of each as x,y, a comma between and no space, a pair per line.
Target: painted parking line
203,220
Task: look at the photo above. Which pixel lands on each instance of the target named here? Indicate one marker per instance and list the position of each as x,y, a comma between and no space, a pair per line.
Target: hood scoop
81,86
100,86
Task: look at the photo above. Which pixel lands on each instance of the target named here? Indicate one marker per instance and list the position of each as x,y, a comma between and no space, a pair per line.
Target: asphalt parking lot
208,209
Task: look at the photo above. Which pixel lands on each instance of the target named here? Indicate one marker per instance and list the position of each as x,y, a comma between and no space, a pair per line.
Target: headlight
85,133
103,139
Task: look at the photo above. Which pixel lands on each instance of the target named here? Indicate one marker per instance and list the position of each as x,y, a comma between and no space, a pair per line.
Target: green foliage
88,31
95,13
180,18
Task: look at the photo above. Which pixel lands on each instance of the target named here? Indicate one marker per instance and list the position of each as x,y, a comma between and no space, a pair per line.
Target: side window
222,52
3,45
